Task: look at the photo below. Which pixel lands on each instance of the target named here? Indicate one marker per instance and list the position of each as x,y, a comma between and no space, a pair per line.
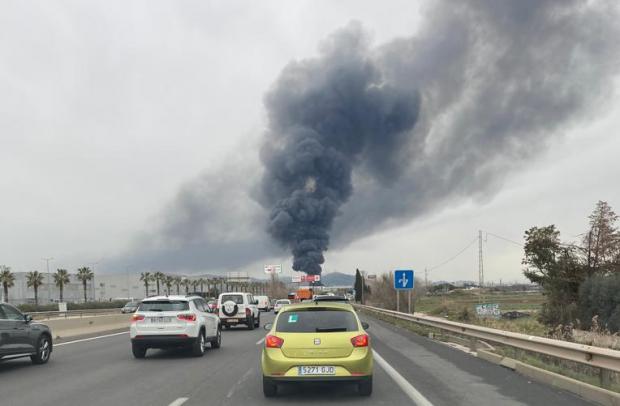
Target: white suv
236,308
174,321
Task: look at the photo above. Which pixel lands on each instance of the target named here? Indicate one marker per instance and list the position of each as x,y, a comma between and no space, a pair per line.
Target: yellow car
317,341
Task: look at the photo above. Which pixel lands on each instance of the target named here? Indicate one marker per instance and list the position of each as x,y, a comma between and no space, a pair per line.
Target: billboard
273,269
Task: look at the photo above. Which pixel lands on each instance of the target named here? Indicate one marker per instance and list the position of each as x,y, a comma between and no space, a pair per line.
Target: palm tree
201,282
34,279
186,284
7,279
159,277
84,275
195,284
61,278
177,282
168,281
146,277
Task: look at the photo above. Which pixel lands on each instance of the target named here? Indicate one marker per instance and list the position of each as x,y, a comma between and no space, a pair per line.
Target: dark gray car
22,337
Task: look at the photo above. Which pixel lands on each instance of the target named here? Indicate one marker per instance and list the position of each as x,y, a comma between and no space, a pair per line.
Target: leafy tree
146,278
158,277
84,275
34,279
599,296
7,279
61,278
557,269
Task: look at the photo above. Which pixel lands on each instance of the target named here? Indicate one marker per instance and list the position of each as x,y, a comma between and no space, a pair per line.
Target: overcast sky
107,108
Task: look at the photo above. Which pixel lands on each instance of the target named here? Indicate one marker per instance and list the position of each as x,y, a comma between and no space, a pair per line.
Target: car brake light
137,317
273,342
360,341
187,317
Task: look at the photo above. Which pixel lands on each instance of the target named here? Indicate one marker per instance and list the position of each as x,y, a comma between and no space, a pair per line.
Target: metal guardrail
603,358
72,313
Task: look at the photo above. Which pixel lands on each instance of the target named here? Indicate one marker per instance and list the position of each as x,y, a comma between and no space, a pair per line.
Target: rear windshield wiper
330,330
155,310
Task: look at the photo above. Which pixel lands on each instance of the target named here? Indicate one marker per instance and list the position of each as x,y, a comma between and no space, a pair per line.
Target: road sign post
403,280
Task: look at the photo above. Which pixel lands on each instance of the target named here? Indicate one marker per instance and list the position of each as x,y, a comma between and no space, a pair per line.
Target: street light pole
49,285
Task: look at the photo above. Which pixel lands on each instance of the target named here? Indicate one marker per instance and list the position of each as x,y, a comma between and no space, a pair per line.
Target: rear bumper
319,378
163,341
355,367
227,321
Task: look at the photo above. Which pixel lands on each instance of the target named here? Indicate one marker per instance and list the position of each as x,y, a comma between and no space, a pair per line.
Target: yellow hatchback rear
317,341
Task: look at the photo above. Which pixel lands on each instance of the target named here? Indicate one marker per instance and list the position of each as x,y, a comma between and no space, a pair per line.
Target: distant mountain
338,279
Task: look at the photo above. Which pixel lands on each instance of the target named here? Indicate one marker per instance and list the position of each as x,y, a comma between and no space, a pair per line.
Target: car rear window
163,306
238,299
313,320
283,302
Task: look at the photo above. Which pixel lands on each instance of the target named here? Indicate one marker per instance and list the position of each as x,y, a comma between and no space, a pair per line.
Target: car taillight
273,342
137,317
187,317
360,341
248,312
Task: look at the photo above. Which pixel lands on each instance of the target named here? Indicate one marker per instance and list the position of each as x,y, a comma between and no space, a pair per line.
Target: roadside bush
599,300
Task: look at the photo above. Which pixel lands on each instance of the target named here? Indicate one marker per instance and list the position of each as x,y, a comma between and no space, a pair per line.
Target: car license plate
316,370
161,319
232,321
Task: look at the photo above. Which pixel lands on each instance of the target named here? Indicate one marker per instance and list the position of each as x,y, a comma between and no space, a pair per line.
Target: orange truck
304,293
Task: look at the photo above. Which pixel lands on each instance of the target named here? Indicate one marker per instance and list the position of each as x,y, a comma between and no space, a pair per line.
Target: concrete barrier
62,328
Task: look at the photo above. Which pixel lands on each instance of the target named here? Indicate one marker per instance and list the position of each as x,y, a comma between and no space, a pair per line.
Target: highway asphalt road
102,371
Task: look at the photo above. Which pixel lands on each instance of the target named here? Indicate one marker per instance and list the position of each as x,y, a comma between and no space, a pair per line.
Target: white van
264,304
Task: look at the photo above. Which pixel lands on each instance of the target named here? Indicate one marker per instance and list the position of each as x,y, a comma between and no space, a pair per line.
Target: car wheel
365,387
138,350
258,322
251,323
226,326
198,347
217,343
44,349
270,389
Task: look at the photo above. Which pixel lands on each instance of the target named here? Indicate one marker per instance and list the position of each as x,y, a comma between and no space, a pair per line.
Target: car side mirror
267,326
365,325
27,318
255,302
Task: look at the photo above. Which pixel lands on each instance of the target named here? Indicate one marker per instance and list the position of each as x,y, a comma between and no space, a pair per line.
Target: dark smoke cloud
365,137
360,137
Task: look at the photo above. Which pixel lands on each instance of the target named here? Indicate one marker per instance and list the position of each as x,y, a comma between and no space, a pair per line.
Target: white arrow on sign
403,281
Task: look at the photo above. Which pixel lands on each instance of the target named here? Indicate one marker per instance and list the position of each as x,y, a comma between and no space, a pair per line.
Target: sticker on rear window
292,318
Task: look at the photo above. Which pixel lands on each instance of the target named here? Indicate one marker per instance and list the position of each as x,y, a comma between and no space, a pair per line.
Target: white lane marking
412,392
179,402
239,383
90,339
259,342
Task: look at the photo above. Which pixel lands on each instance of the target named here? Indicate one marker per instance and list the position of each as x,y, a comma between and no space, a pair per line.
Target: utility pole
480,261
49,284
426,278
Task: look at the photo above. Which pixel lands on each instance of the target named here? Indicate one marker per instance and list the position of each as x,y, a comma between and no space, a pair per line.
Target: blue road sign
403,279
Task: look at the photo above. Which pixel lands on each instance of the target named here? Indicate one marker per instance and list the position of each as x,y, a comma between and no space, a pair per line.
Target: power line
505,239
454,256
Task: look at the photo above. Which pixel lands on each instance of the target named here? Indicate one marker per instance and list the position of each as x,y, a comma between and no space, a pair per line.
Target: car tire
365,387
270,388
44,350
217,342
251,323
198,346
257,325
139,351
225,326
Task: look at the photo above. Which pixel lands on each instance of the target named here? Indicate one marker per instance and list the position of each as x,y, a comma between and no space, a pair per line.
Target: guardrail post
473,344
605,378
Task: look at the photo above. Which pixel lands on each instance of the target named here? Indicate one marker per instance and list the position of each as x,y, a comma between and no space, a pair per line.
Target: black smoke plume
361,137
